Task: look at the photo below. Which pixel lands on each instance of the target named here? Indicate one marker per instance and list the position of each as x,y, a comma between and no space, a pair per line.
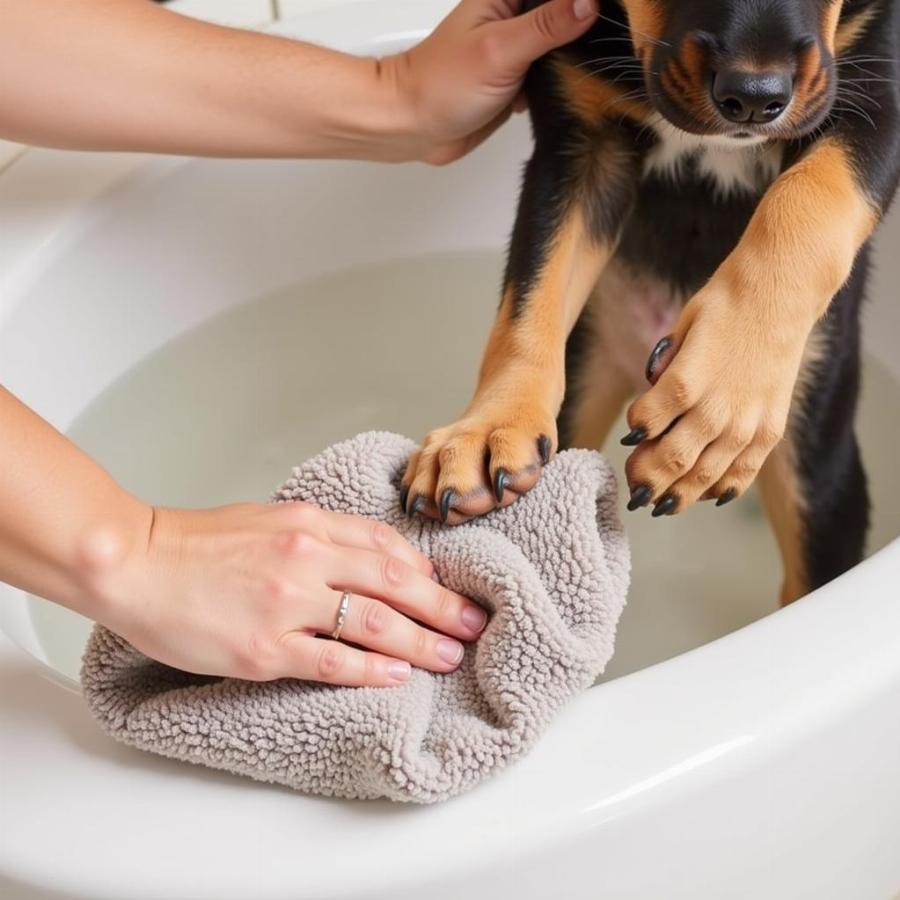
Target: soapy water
222,413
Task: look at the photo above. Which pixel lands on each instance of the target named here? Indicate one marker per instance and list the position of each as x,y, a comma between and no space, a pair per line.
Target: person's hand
244,591
463,80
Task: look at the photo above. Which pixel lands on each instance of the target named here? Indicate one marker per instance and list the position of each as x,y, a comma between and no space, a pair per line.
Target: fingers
347,531
407,590
367,534
331,662
523,39
376,626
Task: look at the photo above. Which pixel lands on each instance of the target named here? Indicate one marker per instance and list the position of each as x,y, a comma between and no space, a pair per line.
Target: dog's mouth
699,88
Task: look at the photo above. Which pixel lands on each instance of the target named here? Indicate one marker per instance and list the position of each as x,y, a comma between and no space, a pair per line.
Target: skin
242,590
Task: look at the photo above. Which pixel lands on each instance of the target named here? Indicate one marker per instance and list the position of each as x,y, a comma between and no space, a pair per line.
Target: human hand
463,80
243,591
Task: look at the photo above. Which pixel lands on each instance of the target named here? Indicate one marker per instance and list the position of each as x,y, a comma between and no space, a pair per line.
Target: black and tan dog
708,172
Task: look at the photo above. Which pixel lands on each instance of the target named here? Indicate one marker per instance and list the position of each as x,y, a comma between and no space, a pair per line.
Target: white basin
200,326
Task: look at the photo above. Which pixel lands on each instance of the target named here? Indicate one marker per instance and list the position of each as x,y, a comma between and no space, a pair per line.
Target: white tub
765,763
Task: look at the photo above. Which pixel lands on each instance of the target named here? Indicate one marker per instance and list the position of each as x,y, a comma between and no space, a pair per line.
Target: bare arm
130,75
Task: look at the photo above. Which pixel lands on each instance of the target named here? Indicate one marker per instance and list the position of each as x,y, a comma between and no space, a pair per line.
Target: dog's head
738,68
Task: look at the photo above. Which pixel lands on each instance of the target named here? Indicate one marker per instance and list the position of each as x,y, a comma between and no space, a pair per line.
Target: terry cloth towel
552,570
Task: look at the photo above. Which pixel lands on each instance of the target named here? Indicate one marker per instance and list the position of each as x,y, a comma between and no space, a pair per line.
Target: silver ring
343,606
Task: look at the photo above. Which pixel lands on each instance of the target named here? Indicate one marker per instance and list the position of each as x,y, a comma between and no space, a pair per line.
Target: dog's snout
757,97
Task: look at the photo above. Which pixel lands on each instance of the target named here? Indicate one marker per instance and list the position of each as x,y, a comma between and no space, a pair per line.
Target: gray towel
552,569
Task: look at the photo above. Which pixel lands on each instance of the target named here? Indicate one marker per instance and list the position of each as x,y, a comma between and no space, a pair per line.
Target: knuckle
381,535
680,388
304,515
373,620
446,605
745,469
330,660
704,475
276,589
542,22
252,661
371,670
298,544
769,435
490,49
392,571
421,643
741,434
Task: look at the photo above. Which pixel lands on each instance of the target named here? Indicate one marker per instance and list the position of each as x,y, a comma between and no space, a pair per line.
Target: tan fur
520,386
784,504
593,99
743,339
851,30
831,17
645,19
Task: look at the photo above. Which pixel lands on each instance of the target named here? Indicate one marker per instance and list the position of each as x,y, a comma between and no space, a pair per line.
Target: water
222,413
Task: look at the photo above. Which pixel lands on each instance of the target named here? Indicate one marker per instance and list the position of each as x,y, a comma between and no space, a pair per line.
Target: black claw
501,479
417,504
665,507
545,446
404,496
447,499
727,497
640,497
658,351
634,437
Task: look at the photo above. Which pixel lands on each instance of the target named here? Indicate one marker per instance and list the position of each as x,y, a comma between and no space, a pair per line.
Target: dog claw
727,497
545,446
640,497
634,437
416,505
665,507
447,499
404,496
501,479
653,361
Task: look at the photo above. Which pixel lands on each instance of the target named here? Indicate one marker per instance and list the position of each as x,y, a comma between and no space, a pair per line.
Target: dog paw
476,465
718,405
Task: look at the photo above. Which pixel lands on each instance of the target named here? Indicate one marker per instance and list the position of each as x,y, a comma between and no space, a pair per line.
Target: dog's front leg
577,190
721,404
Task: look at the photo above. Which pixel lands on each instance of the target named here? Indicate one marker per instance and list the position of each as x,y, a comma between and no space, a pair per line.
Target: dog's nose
752,96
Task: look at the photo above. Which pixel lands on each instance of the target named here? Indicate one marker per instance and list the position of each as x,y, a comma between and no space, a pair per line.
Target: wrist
109,558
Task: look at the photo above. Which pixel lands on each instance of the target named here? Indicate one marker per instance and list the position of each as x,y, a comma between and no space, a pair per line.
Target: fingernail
399,670
727,497
640,497
634,437
435,577
474,618
584,8
450,651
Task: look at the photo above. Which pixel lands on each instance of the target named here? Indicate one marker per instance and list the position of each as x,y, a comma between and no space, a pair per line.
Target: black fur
681,231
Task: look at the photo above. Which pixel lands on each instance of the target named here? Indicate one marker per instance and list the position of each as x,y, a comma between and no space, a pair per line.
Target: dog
706,178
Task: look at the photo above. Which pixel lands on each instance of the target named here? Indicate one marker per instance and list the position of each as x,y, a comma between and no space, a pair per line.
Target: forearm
128,75
63,521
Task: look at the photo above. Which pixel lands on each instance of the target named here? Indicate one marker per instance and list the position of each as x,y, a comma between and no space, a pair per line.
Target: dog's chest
729,166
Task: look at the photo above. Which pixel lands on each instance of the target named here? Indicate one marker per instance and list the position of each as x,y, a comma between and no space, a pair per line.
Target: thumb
527,37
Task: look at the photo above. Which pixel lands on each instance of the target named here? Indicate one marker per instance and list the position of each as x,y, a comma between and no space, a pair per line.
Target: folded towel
552,569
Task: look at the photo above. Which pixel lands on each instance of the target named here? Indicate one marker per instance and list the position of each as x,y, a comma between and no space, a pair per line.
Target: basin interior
285,345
